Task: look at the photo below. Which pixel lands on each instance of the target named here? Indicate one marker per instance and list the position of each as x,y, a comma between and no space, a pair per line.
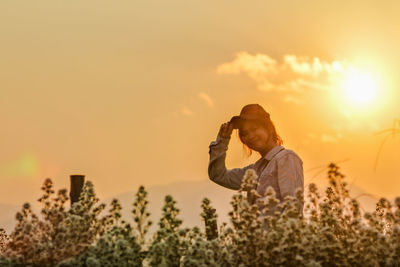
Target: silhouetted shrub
332,230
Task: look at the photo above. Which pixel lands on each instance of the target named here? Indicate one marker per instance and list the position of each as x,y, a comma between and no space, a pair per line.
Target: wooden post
77,182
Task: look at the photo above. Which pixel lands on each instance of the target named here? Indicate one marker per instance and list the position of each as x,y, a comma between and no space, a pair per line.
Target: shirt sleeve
290,175
217,170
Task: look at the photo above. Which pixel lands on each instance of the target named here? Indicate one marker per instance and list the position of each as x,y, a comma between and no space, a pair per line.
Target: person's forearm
217,170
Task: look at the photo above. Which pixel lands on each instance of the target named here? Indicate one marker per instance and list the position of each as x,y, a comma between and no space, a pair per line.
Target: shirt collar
273,152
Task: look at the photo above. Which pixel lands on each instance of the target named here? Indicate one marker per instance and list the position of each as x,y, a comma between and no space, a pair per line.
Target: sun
360,88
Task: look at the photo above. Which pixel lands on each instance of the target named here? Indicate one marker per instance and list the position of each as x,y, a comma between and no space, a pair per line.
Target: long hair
270,127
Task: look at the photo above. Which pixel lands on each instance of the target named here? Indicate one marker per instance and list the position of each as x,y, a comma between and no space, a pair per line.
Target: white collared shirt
283,170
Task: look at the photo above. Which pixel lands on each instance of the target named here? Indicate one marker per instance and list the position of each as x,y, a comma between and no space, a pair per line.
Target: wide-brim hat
251,112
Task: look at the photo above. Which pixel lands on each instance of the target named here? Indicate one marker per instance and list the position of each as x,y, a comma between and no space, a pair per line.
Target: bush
331,231
59,233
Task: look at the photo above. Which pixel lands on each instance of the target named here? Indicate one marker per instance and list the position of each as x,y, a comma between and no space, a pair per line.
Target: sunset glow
133,93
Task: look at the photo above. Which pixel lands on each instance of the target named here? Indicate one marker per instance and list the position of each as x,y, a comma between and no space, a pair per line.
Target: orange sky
132,92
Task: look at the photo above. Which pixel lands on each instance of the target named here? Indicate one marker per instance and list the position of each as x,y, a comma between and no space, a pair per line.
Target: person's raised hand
226,130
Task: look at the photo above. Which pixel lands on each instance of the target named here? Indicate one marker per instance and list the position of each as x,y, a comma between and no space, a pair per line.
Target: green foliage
4,239
117,247
59,233
169,222
169,243
209,216
141,217
332,230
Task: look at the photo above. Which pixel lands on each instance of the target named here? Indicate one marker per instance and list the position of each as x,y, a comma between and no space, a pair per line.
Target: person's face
255,136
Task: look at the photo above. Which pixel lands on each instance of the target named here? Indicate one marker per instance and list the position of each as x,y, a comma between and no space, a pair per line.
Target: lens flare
26,165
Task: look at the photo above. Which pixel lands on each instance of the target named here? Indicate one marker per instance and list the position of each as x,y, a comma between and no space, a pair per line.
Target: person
280,168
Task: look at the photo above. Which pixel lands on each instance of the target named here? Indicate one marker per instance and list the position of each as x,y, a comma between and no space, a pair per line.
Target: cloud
252,65
324,138
311,67
328,139
291,99
207,99
186,111
293,74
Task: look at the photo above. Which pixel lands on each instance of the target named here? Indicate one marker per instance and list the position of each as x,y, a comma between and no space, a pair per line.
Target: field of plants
332,230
